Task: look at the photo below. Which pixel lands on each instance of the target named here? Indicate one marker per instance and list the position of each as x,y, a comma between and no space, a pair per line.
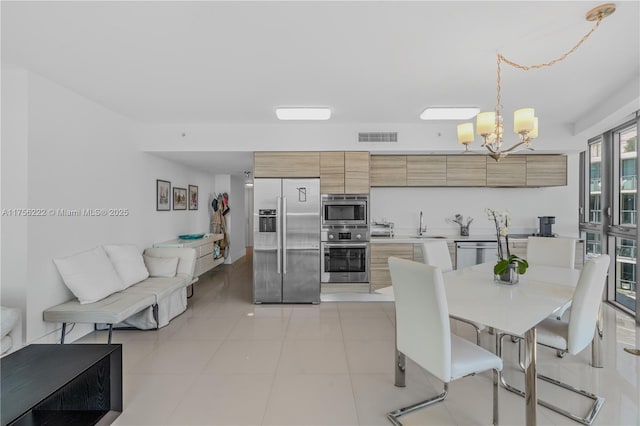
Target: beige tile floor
226,361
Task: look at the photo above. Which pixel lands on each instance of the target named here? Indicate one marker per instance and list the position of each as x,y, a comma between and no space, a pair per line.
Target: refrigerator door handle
284,235
278,236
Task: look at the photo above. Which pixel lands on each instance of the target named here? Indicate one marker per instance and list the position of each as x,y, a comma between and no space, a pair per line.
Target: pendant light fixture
490,125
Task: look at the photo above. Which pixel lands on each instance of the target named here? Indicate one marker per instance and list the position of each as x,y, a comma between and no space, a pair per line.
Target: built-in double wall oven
345,239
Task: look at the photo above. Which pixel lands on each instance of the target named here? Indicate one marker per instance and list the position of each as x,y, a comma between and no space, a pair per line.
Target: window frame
609,227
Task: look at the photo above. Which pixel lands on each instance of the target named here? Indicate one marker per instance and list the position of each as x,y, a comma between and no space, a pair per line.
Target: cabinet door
356,172
388,170
286,164
332,172
510,171
546,170
466,170
426,170
380,253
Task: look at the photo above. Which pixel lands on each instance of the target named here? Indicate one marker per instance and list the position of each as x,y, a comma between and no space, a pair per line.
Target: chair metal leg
394,415
400,369
64,331
495,397
591,414
596,343
110,333
477,329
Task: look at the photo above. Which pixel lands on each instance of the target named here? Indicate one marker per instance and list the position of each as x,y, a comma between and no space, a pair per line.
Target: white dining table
517,309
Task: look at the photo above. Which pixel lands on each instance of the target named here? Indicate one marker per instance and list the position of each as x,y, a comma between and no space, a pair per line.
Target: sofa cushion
161,266
9,317
110,310
127,261
159,287
89,275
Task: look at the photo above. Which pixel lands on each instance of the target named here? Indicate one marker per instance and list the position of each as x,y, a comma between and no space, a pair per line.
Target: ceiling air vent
378,137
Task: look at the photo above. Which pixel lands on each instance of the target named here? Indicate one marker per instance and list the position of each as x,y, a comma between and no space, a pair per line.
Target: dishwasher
469,253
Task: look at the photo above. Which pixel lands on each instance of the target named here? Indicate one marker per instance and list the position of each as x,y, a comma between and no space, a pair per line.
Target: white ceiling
234,62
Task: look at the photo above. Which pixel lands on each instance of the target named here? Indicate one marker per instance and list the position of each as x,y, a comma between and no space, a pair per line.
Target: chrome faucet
422,227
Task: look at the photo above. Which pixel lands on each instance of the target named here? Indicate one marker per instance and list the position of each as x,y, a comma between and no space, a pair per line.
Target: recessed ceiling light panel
303,113
449,113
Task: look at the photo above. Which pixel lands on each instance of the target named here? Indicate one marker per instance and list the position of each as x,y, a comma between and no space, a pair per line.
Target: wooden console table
62,385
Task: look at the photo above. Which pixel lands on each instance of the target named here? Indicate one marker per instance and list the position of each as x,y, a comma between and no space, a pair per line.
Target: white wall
78,155
14,189
402,206
412,137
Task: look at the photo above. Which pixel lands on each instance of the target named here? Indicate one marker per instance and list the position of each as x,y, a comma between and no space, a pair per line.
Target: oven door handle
351,245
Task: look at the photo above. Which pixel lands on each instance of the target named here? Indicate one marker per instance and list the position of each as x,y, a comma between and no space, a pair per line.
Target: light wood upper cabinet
510,171
388,170
356,172
546,170
426,170
286,164
332,172
344,172
466,170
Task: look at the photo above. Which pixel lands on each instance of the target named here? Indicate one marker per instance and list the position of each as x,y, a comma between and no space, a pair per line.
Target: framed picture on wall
193,197
163,195
179,198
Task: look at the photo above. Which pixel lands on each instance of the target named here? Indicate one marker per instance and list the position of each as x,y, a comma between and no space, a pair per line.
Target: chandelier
490,126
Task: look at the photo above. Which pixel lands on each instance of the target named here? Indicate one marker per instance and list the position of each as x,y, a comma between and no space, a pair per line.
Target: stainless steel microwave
345,210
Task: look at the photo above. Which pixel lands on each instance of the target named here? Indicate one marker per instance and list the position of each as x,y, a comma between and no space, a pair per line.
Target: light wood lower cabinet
380,253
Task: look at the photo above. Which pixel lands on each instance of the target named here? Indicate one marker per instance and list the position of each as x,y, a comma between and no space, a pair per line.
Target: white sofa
118,286
10,329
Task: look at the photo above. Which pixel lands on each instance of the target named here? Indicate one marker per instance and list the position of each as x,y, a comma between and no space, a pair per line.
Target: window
608,223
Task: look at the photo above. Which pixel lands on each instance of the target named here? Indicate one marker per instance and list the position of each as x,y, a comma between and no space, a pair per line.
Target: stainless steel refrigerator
286,241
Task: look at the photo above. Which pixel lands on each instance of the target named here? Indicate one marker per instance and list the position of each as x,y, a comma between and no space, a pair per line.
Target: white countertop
414,239
449,238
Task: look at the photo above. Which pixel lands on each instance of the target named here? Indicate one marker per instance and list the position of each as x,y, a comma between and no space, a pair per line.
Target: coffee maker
545,226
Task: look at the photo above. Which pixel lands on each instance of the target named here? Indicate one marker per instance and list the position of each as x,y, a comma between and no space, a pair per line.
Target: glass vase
510,276
464,230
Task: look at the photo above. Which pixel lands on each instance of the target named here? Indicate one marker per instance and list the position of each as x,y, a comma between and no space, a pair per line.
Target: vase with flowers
509,266
464,226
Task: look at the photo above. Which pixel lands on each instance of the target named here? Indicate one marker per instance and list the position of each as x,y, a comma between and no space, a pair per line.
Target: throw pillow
128,263
8,319
165,267
89,275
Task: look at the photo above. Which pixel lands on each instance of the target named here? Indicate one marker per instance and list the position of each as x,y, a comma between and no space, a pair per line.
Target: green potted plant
509,266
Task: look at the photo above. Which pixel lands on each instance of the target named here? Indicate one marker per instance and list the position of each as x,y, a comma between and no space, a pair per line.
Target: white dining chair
436,253
575,334
547,251
558,251
423,334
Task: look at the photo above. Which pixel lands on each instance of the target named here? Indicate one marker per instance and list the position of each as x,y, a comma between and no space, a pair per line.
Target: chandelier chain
502,58
558,59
